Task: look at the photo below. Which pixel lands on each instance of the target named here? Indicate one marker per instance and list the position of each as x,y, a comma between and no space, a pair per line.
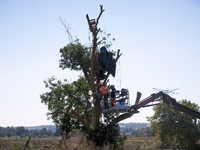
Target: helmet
112,86
99,83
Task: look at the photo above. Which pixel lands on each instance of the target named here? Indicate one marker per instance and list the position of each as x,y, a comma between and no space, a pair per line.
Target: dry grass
133,143
75,142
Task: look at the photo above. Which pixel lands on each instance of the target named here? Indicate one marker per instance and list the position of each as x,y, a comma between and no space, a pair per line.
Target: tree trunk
97,114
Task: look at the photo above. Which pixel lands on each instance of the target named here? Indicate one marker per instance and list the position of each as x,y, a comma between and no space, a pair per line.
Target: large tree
173,128
70,105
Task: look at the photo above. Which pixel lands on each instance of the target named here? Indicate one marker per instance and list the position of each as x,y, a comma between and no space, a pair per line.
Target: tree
56,133
8,134
8,130
3,131
20,130
69,104
43,132
26,132
13,131
175,129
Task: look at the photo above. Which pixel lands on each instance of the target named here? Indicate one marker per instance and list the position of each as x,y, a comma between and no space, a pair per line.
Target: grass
15,143
75,142
133,143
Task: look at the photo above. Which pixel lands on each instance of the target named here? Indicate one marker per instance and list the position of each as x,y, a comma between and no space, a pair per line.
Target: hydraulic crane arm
146,101
187,110
166,99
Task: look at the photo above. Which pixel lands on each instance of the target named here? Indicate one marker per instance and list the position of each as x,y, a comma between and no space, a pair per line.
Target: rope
118,75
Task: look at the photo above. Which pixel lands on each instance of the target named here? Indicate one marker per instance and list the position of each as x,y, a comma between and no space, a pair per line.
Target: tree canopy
175,129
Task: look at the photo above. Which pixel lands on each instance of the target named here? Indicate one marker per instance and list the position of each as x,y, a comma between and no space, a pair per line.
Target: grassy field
16,143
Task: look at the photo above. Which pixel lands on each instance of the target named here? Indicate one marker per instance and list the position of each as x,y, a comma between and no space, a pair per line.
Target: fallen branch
27,143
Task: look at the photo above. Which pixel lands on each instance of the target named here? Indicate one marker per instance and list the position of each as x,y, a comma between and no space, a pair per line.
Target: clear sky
160,42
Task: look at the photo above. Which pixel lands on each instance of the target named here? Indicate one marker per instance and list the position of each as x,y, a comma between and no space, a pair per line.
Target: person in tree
113,95
103,92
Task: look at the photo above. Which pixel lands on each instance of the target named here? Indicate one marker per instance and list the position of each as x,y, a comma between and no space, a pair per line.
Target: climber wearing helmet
103,92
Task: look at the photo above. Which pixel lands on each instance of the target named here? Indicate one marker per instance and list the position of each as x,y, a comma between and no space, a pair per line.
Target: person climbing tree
103,92
113,95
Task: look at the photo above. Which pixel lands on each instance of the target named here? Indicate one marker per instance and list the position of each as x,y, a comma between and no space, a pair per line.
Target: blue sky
159,41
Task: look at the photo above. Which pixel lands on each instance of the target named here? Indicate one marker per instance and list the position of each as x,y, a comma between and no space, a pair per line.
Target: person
103,92
113,95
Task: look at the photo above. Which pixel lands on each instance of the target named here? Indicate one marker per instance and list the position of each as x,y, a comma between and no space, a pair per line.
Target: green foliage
22,136
33,135
17,147
108,135
106,39
175,129
20,130
75,57
65,97
26,132
10,131
114,136
67,124
43,132
2,145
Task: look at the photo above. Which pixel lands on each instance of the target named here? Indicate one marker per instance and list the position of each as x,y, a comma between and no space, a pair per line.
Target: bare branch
99,42
98,30
118,55
27,143
90,26
102,10
68,33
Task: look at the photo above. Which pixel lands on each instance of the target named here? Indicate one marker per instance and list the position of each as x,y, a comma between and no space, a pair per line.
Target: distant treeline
23,132
134,125
48,127
137,129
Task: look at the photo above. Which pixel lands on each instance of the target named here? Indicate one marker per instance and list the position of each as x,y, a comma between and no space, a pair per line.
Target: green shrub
2,145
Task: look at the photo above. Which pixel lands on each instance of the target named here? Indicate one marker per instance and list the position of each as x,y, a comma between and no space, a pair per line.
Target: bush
2,145
22,136
17,147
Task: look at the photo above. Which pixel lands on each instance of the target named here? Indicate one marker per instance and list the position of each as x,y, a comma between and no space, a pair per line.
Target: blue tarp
107,62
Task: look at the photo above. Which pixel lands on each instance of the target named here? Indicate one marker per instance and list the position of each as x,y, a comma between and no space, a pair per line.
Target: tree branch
73,114
102,10
27,143
81,120
124,116
90,26
68,33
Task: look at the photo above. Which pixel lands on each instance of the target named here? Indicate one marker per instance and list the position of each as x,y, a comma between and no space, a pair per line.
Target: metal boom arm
166,99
